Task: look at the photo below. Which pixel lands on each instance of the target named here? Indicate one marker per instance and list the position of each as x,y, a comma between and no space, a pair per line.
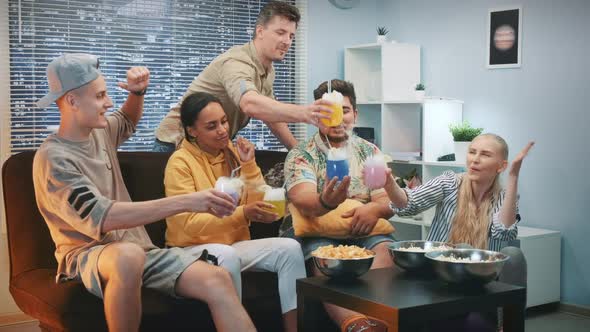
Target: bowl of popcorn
467,266
343,261
410,255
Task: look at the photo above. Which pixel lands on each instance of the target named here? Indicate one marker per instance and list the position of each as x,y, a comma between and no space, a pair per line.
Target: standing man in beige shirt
242,78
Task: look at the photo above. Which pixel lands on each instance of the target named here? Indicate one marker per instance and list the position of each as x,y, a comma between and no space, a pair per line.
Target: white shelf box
370,66
404,61
542,250
447,164
437,115
422,127
400,128
363,69
370,116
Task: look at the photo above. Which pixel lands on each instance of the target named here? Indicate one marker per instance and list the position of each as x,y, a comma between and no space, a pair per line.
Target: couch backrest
30,244
143,173
266,160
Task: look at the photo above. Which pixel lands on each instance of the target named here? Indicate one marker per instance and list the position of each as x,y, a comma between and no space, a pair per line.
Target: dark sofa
68,306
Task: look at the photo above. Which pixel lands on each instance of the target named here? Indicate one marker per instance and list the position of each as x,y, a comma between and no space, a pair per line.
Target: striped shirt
442,191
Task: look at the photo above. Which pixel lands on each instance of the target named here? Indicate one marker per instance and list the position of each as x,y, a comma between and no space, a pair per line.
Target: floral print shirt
307,163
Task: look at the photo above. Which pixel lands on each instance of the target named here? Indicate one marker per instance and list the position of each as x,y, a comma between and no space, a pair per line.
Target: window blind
175,39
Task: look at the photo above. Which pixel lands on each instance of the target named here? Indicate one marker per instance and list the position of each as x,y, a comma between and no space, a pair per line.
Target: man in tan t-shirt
242,78
98,232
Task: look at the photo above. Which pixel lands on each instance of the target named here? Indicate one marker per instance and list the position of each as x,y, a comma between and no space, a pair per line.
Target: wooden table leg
305,318
514,317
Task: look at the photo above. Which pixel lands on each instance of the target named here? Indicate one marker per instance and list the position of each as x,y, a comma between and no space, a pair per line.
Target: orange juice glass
336,99
276,197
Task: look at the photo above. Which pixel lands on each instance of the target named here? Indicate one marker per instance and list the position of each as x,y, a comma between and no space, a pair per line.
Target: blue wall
330,30
543,100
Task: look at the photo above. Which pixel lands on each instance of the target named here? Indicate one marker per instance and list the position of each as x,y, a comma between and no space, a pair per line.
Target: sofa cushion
68,306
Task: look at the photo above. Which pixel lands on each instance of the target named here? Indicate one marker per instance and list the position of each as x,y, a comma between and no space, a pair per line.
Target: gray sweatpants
280,255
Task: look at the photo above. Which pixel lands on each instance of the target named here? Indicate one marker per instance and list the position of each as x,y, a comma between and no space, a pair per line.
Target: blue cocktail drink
337,164
338,168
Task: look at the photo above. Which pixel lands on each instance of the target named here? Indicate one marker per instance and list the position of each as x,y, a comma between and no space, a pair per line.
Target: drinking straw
233,172
329,91
328,141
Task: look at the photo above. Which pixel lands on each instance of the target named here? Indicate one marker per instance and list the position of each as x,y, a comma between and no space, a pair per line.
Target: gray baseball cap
67,72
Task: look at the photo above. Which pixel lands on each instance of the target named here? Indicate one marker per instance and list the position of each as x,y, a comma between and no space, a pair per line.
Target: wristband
139,93
326,206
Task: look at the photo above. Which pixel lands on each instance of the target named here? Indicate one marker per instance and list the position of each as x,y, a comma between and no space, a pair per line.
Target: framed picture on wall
504,37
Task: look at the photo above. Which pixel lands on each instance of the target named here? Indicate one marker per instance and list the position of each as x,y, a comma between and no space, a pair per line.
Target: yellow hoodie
189,170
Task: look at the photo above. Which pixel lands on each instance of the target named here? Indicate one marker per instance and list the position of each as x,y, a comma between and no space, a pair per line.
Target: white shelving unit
384,76
542,250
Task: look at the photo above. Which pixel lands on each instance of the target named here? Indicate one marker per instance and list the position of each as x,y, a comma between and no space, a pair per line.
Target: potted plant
463,133
420,91
382,34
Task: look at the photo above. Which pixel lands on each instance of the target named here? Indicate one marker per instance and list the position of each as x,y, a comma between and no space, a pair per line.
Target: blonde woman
471,207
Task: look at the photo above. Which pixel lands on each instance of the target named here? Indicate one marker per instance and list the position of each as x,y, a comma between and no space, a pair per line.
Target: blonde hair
471,222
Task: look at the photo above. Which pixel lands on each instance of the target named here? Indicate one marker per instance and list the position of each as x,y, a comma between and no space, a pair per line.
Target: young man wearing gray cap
98,232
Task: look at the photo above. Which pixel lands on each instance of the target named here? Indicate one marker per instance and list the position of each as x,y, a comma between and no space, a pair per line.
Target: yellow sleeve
179,180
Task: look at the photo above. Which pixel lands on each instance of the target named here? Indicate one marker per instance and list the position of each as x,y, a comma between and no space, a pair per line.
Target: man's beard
340,139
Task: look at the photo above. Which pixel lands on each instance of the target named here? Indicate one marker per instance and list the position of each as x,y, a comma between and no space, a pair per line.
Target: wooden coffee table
405,300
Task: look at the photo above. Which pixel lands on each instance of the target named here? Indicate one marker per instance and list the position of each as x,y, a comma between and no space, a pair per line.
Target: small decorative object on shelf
447,157
463,134
410,180
420,91
382,34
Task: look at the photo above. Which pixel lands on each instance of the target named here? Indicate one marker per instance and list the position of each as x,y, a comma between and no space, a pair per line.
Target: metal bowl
483,267
413,260
343,268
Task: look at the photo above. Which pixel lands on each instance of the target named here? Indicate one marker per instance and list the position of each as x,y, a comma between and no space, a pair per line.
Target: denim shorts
160,146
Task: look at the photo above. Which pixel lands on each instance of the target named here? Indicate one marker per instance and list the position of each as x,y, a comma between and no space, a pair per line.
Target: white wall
544,100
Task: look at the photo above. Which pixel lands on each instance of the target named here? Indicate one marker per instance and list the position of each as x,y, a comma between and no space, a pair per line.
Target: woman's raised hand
517,162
